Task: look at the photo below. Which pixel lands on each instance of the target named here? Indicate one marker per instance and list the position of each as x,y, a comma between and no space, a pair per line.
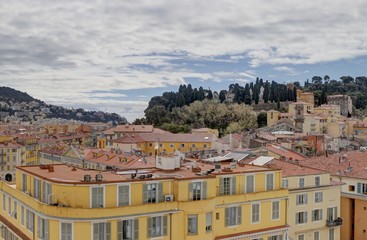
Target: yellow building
188,202
12,154
307,97
31,144
330,110
314,202
299,108
165,143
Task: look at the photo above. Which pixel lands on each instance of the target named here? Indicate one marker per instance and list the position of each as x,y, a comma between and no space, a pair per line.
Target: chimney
51,168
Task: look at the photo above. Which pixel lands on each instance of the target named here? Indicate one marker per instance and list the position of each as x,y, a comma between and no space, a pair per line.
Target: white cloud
59,50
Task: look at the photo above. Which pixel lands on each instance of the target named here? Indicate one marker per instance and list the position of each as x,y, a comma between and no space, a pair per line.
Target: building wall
347,212
78,212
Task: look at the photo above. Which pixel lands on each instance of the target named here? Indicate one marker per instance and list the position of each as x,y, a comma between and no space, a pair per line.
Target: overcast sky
115,55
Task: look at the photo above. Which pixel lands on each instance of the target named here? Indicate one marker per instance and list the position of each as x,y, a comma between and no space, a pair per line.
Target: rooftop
62,173
351,164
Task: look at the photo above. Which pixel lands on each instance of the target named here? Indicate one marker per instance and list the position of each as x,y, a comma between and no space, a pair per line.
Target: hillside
27,108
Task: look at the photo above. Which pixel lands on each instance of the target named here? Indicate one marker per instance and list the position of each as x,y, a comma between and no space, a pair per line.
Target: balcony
334,223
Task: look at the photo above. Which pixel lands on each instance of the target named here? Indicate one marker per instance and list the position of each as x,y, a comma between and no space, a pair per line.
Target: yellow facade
302,201
181,218
150,148
272,117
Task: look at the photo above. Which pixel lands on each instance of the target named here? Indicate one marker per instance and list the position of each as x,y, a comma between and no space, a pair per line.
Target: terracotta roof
287,153
179,137
292,169
351,164
71,175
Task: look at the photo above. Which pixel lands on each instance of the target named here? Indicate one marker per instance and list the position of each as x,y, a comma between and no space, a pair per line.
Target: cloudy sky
114,55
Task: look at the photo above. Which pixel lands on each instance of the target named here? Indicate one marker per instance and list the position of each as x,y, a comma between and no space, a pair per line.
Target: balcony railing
334,223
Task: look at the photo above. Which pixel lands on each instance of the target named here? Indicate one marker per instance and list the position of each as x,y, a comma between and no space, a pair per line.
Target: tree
210,94
262,119
266,92
222,95
316,79
326,78
347,79
247,95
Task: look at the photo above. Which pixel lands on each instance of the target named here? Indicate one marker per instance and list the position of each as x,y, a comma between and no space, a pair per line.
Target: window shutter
95,231
123,195
39,228
108,231
190,190
305,216
204,191
239,215
359,187
145,193
320,214
46,229
149,227
297,218
164,225
226,217
136,229
233,185
119,230
305,200
221,186
160,192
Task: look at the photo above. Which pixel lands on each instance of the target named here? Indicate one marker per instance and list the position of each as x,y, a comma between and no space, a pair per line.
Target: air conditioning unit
168,198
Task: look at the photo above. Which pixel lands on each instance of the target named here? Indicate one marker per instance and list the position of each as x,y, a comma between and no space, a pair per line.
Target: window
318,197
124,195
22,215
9,205
47,192
157,226
317,215
351,188
284,183
269,181
42,231
301,182
97,197
197,190
208,226
317,181
331,213
276,237
153,193
182,145
233,216
128,230
301,199
301,237
15,211
250,183
4,202
102,231
171,146
227,185
362,188
37,188
192,224
29,220
193,145
316,235
301,217
24,182
275,207
331,234
66,231
255,213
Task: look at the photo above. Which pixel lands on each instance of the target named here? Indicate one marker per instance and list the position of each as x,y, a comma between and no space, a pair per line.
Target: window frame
72,230
192,220
118,200
277,211
103,197
258,214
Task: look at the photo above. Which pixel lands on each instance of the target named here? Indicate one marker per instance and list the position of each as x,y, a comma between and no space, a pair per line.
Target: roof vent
99,177
87,178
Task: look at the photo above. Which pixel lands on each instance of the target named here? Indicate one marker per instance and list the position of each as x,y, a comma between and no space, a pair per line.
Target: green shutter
359,187
233,185
145,193
204,193
119,230
149,228
221,186
108,231
164,225
160,192
226,217
136,229
239,215
190,191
